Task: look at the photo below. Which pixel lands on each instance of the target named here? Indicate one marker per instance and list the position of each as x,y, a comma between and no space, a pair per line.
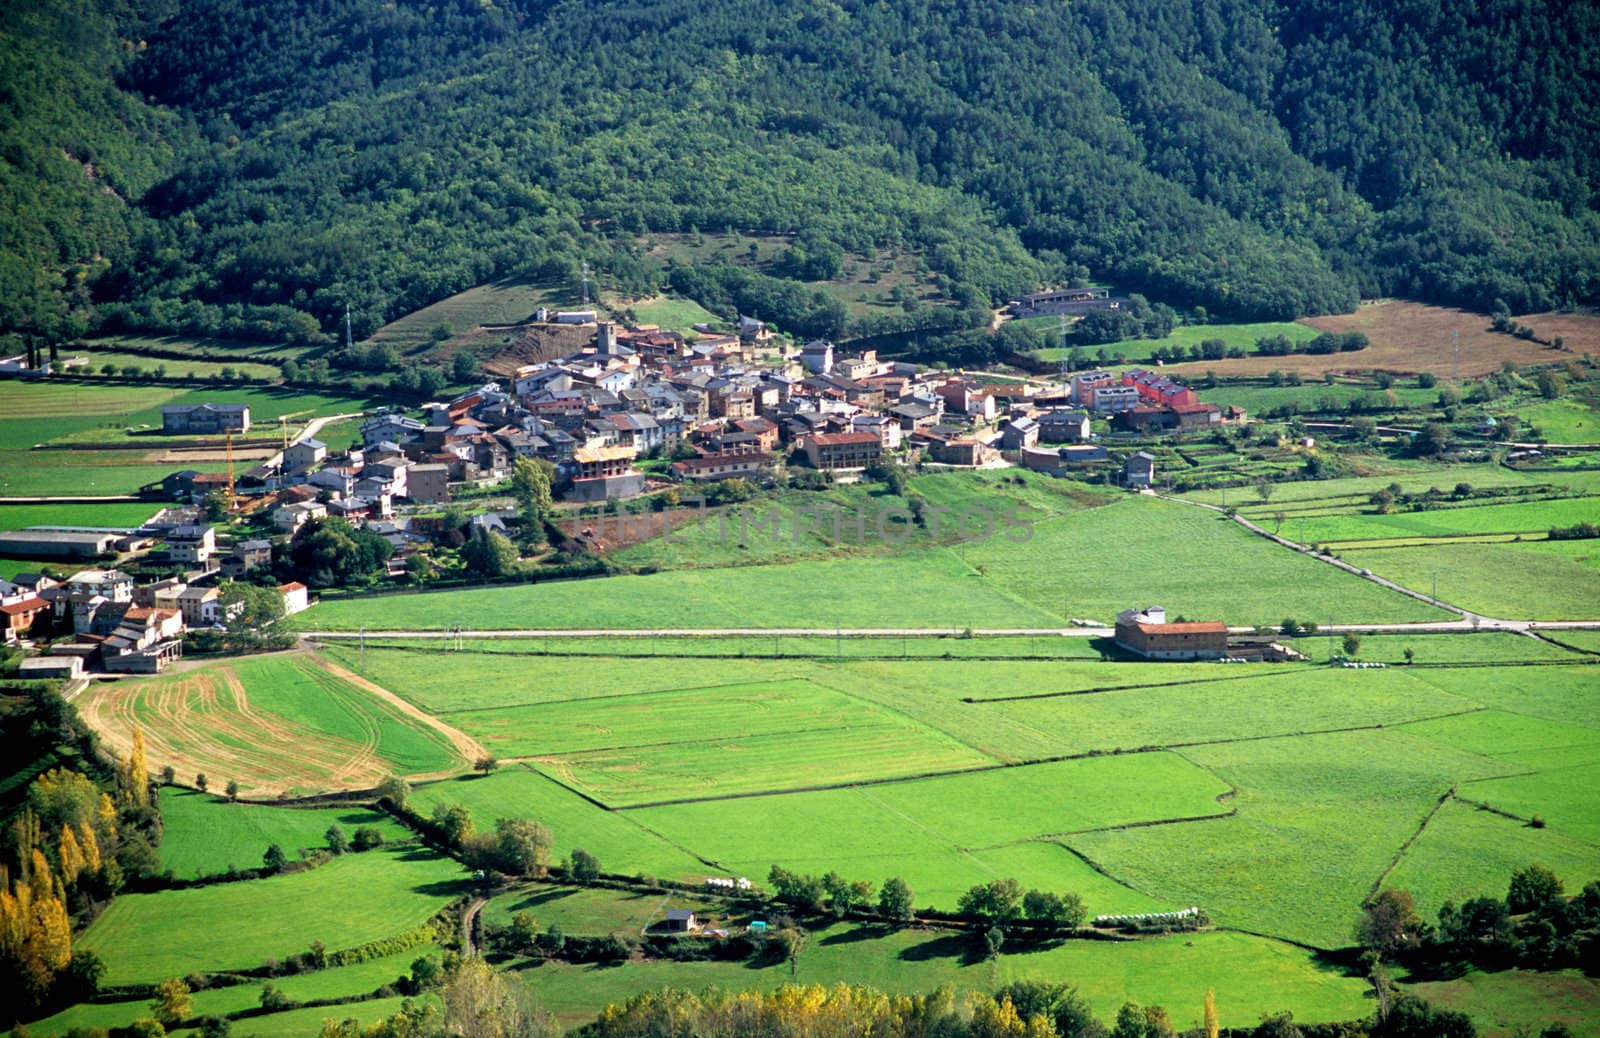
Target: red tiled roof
27,605
1194,627
844,439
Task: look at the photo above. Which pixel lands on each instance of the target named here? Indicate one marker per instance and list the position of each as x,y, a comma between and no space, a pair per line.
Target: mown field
350,901
270,723
115,515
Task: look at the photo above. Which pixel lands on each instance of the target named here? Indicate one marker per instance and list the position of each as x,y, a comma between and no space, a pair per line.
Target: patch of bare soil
1409,338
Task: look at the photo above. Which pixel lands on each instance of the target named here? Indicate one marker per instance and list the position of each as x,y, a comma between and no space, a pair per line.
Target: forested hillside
222,166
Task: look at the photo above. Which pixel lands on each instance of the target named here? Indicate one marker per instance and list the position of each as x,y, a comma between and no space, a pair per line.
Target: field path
465,745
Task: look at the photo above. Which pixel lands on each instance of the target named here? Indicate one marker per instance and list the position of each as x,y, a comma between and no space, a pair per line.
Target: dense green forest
218,166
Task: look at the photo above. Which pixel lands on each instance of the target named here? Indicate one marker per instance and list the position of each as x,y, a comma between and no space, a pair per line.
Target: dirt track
469,748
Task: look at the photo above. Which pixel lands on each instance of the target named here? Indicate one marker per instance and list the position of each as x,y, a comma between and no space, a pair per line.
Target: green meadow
619,839
1555,580
339,982
1063,570
205,834
1252,976
1531,517
1242,335
292,687
352,900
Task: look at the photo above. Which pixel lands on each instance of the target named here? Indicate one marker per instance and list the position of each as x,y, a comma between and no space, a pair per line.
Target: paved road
1435,627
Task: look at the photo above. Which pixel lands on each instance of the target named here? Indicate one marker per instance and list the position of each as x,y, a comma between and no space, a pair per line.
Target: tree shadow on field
418,852
949,946
543,897
856,934
443,888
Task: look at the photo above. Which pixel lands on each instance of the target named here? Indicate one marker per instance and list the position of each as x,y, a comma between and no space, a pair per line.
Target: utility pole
585,269
349,339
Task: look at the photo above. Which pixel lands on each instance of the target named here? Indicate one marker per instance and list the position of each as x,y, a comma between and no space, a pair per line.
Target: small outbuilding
680,920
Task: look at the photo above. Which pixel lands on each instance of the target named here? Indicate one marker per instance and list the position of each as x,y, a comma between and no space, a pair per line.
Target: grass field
937,590
1516,1002
500,302
932,832
106,352
1293,862
270,723
59,412
114,515
205,834
1466,852
1572,419
1252,976
1243,335
672,313
1226,573
340,982
1555,580
354,899
1529,517
1316,398
617,838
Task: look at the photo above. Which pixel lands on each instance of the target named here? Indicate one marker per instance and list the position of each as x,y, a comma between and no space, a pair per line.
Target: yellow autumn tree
138,771
71,856
47,946
1211,1013
13,921
39,877
90,845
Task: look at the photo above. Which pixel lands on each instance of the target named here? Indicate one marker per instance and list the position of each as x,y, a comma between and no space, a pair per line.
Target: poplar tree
71,856
138,771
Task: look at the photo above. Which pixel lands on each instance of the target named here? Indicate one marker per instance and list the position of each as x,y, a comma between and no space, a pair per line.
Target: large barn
1148,634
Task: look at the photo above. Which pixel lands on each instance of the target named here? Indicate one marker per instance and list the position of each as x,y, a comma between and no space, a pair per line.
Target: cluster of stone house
724,405
103,618
1142,401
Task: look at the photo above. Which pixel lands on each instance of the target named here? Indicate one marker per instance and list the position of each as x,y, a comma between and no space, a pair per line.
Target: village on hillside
704,409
